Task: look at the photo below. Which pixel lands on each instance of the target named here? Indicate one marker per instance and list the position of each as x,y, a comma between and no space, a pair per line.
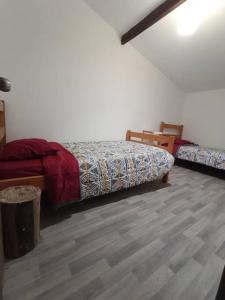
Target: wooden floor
158,242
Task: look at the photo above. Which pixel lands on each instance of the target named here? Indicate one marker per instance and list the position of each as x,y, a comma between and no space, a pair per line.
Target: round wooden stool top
19,194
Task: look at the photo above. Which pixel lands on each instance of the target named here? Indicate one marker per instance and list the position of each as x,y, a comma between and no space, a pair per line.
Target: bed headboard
2,124
177,128
160,141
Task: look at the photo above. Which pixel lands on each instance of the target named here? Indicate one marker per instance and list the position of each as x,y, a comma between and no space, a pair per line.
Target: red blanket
178,143
62,176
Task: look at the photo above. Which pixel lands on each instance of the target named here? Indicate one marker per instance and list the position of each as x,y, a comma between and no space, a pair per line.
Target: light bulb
187,27
193,12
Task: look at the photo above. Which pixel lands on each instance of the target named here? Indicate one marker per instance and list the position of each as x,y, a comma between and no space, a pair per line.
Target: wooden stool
20,208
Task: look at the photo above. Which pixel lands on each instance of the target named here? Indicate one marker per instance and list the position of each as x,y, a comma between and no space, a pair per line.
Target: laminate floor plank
154,242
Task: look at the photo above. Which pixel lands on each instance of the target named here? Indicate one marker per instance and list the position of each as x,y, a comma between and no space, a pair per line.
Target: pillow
27,149
182,142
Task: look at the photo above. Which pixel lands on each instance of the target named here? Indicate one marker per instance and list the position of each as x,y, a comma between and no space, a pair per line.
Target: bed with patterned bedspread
206,156
111,166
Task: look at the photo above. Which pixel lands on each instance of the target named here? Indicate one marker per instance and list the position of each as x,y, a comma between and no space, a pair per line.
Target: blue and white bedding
107,167
207,156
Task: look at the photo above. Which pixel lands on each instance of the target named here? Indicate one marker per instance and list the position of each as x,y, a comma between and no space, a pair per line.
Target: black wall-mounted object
5,84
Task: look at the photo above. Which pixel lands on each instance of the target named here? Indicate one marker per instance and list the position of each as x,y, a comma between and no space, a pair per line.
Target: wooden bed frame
2,124
177,128
165,142
189,164
164,126
161,141
32,180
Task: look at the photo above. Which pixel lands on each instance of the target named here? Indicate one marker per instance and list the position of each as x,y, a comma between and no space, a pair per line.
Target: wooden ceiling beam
160,12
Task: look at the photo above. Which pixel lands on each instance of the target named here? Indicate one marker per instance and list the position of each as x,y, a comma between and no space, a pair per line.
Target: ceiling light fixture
193,12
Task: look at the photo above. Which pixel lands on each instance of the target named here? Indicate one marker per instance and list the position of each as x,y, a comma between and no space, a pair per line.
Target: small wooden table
20,209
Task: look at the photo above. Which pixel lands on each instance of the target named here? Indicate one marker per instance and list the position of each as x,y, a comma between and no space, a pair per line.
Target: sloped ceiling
194,63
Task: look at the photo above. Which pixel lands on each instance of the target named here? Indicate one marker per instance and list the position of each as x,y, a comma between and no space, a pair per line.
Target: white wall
72,79
204,118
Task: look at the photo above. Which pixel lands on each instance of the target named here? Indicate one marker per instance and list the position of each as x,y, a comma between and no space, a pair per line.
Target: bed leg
165,178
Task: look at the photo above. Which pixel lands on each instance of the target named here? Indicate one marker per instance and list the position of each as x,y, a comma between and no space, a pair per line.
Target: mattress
107,167
207,156
21,168
104,167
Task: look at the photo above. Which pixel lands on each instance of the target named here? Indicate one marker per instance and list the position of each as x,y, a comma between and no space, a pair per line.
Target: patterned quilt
111,166
207,156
